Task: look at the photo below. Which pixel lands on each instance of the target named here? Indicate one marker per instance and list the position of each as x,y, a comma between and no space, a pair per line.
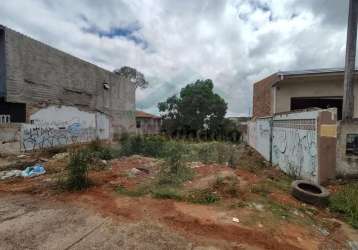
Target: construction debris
10,174
33,171
60,156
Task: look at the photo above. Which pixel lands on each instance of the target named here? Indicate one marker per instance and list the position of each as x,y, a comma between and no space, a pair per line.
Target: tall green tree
197,109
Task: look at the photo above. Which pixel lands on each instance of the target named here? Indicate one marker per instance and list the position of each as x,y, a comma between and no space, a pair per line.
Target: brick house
295,90
147,123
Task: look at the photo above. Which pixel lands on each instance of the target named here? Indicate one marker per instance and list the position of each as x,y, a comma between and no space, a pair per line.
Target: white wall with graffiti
62,125
259,136
289,140
294,144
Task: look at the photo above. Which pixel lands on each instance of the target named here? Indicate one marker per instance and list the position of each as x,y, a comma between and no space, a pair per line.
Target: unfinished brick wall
40,76
262,100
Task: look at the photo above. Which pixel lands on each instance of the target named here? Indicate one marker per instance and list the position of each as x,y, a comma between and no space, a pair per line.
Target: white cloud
233,42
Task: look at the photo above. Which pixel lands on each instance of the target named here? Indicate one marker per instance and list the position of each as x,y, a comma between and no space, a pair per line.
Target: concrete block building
49,98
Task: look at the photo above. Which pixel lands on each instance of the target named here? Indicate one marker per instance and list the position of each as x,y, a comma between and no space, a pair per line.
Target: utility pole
348,98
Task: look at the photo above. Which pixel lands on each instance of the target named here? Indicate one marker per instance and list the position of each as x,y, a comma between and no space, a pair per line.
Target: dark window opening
352,145
138,124
17,111
318,102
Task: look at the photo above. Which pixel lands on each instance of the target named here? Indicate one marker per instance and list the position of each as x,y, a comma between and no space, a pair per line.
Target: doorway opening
16,111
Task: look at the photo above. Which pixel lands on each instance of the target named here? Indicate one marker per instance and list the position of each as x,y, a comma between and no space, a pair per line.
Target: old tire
310,193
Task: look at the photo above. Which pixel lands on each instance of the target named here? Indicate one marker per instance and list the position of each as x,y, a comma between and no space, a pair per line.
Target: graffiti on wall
38,137
263,134
58,126
294,147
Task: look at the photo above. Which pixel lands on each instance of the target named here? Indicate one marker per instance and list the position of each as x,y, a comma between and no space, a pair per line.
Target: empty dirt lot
28,222
34,214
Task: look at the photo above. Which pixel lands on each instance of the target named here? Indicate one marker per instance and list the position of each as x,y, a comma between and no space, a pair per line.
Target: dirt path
29,222
200,224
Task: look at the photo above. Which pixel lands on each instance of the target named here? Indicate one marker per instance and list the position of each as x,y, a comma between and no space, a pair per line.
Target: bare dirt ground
34,215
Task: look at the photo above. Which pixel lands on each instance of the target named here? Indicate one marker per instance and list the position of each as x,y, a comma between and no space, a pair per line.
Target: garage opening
15,111
318,102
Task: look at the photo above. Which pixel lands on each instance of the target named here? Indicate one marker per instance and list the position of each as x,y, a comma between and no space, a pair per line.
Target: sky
173,43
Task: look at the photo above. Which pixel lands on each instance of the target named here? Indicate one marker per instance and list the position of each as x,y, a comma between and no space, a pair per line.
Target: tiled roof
143,114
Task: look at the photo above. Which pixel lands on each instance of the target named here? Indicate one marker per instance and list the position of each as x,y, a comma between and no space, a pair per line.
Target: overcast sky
233,42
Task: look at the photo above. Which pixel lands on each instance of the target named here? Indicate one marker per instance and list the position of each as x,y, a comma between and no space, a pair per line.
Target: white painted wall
295,152
57,126
294,142
263,130
259,136
251,133
63,116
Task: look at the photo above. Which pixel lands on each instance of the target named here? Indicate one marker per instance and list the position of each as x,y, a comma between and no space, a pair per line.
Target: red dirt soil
198,223
168,212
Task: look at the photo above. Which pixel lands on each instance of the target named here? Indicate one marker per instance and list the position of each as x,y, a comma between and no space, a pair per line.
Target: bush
345,201
95,145
174,171
153,146
143,145
223,152
159,146
104,153
165,192
216,152
78,170
97,150
207,153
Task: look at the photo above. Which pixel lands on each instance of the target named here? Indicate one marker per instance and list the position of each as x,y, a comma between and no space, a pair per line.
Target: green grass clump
345,201
283,182
77,171
279,210
98,150
166,192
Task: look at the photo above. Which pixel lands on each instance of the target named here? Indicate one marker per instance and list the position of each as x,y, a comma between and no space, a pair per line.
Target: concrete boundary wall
259,136
302,144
